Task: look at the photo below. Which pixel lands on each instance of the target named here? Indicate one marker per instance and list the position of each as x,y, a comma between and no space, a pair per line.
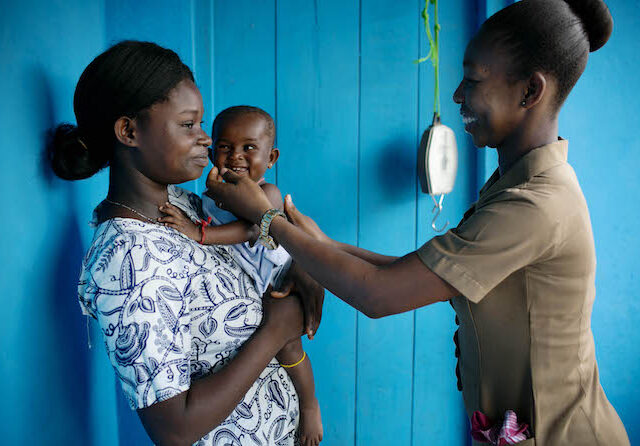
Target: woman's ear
273,157
535,90
125,130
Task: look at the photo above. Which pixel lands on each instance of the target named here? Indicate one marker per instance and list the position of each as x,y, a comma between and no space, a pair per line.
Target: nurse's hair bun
596,20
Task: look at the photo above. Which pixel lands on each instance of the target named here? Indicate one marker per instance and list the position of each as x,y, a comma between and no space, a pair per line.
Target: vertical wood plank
45,48
244,66
203,56
438,409
387,182
317,87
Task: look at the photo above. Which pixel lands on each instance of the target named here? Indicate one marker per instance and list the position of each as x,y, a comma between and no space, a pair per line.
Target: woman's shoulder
123,253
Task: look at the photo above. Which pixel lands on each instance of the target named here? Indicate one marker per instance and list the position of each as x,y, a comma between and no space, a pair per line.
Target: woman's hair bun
71,158
596,20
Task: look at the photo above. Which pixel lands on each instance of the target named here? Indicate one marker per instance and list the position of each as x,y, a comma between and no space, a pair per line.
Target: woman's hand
311,294
282,317
303,222
238,195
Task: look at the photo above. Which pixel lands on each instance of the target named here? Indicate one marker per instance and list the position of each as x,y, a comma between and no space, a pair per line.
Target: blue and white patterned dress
171,311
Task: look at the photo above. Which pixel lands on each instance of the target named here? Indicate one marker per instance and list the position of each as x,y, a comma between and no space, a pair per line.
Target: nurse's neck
524,140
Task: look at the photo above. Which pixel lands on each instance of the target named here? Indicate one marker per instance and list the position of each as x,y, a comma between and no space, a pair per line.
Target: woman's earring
523,103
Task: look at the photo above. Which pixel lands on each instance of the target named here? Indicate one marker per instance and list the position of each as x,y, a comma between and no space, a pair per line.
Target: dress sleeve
135,289
499,238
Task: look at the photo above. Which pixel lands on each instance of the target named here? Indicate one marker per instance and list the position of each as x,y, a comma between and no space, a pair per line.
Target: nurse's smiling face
489,98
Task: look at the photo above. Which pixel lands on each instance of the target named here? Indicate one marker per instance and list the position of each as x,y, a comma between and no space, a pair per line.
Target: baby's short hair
238,110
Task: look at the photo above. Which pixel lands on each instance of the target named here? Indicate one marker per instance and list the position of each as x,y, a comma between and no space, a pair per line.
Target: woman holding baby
191,339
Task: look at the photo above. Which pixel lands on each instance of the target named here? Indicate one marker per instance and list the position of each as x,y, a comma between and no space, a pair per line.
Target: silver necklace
131,209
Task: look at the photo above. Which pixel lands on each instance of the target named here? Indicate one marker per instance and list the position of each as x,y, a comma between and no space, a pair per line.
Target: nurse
519,269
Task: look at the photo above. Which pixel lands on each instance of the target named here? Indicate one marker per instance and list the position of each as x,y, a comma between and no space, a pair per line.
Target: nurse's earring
535,90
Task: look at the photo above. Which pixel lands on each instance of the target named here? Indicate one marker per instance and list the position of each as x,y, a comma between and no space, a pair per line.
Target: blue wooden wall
338,76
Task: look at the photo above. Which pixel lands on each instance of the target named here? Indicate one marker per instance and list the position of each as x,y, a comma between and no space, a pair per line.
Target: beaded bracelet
265,223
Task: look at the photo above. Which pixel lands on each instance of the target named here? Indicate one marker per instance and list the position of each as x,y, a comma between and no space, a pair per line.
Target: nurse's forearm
374,290
369,256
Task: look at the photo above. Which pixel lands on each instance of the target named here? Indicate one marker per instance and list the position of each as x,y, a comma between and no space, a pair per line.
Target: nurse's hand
237,194
303,222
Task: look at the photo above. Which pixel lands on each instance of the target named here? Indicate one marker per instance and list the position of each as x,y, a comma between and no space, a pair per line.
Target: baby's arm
228,234
241,231
273,194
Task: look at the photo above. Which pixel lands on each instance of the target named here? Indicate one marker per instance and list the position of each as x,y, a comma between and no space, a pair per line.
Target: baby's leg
302,377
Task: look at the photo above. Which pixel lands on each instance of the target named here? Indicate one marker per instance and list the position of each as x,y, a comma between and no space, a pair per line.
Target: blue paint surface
48,375
386,223
350,105
245,58
317,113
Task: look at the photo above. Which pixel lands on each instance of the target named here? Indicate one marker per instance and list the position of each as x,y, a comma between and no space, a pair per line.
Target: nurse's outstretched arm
310,227
373,289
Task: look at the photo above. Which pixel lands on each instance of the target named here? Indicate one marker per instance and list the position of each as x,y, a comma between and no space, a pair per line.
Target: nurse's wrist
260,211
264,226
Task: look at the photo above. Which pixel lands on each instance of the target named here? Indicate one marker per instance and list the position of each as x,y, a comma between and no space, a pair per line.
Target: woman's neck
128,186
521,142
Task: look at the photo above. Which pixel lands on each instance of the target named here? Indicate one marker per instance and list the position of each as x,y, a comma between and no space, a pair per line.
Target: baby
243,139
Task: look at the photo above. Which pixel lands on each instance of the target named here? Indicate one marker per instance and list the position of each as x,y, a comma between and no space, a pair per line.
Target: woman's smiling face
489,99
171,145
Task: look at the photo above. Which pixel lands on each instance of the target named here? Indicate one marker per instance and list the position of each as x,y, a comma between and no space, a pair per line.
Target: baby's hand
178,220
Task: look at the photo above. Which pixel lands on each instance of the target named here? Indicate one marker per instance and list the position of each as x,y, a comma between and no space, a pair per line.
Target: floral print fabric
171,311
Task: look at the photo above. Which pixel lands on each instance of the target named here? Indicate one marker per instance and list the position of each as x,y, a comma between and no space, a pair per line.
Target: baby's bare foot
310,423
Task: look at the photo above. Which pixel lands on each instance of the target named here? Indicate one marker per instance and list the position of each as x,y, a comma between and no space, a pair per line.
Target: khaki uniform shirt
523,259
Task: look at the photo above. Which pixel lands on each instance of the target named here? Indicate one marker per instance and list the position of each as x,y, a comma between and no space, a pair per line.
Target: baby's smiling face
244,145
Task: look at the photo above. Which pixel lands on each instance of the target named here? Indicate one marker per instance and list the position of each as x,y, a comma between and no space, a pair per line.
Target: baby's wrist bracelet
288,366
203,224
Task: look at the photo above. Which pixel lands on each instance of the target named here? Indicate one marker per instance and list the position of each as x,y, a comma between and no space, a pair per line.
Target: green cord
434,50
